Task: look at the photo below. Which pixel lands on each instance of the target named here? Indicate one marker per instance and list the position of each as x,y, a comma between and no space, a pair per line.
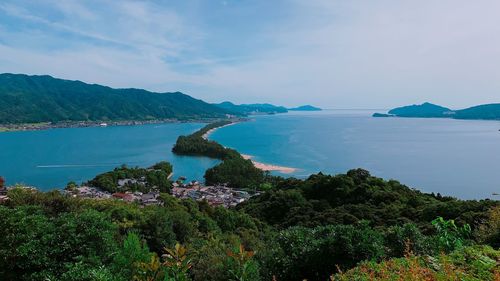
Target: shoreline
209,132
86,124
269,167
259,165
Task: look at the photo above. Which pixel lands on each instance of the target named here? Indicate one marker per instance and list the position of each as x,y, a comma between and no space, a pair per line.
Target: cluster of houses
145,199
219,195
3,194
124,182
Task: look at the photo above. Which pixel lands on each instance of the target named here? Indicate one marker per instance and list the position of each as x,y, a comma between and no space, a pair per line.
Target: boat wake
77,165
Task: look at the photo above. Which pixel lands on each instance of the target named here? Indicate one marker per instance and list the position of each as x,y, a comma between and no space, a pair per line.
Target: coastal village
217,195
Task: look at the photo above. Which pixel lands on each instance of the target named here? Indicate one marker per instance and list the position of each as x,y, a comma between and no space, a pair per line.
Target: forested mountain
252,108
428,110
485,111
423,110
306,107
257,108
30,99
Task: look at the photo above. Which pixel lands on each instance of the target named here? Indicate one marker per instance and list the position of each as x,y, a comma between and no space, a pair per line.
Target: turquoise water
453,157
50,159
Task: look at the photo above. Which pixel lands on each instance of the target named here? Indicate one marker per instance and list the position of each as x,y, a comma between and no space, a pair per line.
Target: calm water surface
50,159
454,157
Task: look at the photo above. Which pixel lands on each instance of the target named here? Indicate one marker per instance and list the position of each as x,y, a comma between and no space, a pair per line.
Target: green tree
128,257
408,237
244,267
177,264
489,232
315,253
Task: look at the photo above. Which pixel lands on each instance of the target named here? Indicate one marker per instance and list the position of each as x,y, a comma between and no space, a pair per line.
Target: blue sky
334,54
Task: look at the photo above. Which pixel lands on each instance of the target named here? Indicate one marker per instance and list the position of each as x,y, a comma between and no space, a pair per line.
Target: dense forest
197,145
320,228
32,99
354,197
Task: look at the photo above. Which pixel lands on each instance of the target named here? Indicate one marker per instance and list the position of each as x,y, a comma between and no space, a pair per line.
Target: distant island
429,110
262,108
305,108
37,99
249,109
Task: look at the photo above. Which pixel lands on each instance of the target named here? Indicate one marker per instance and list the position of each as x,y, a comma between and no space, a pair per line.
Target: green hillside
32,99
306,107
485,111
423,110
257,108
429,110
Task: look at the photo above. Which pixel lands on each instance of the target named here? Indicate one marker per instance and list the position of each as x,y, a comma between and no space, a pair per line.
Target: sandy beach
269,167
207,134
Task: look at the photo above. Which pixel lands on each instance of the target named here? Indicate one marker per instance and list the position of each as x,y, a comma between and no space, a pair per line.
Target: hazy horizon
331,54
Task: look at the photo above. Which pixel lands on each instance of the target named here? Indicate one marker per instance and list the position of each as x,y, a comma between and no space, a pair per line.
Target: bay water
452,157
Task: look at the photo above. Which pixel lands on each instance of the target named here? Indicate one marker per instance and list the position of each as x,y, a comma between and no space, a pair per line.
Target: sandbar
269,167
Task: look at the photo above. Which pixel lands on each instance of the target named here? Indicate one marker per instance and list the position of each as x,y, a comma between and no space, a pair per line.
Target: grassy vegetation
475,263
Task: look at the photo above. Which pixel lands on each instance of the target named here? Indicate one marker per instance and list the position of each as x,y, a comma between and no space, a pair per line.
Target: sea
457,158
49,159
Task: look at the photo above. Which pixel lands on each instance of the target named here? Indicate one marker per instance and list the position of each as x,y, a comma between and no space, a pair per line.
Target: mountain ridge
306,107
254,108
43,98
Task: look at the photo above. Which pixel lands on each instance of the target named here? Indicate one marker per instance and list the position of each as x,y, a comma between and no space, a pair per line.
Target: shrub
469,263
314,253
489,232
449,235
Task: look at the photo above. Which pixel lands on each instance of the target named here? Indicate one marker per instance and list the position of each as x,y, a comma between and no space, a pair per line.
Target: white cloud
377,54
330,53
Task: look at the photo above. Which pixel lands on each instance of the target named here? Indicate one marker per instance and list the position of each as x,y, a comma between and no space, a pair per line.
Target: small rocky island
305,108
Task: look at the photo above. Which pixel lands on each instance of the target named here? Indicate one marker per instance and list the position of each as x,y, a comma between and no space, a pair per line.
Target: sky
328,53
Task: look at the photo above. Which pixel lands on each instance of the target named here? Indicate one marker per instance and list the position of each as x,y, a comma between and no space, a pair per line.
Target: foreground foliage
355,196
357,224
480,263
